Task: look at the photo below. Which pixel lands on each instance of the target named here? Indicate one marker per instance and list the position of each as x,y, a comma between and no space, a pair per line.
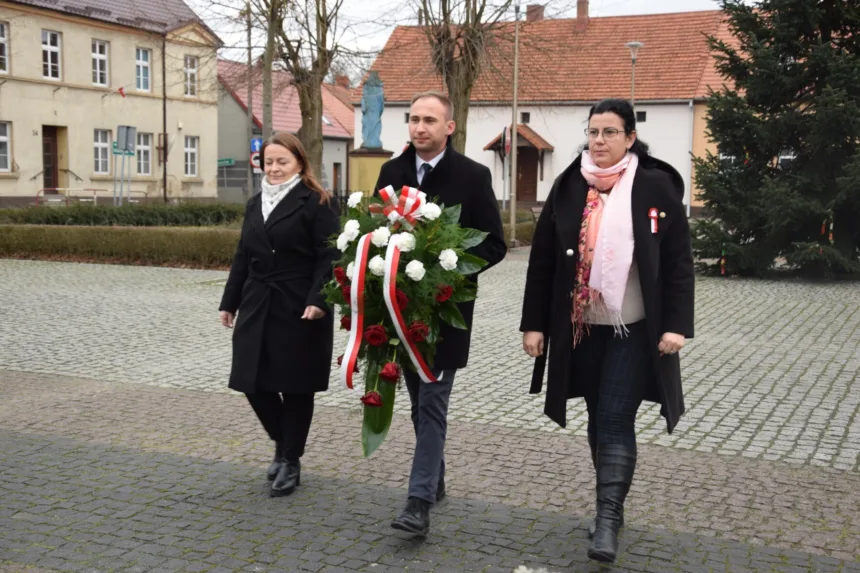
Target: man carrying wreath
432,165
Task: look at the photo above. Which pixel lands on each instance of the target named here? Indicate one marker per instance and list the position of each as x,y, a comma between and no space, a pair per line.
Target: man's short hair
443,99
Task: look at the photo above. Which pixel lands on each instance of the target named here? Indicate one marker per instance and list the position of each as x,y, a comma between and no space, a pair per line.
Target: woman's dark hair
624,110
292,143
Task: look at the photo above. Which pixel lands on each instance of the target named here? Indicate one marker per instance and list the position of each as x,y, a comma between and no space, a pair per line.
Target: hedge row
202,247
155,215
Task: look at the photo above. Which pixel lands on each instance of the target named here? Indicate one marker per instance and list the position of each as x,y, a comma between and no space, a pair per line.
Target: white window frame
4,47
141,64
101,152
192,64
48,49
144,153
6,141
192,155
100,62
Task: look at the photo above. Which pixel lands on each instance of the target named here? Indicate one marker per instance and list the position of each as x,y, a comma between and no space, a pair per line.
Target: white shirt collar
433,162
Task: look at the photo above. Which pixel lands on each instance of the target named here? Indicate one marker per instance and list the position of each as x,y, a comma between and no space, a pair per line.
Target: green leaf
464,294
451,215
449,312
470,264
472,238
377,420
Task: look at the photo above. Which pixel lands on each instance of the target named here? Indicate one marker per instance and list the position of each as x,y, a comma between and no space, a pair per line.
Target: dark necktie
426,168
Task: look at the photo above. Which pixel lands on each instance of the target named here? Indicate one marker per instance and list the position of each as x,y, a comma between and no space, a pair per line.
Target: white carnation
404,241
342,242
380,237
355,199
415,270
351,229
377,265
448,259
431,211
350,270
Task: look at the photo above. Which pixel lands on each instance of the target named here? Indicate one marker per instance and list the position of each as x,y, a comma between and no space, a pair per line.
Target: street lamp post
513,174
634,51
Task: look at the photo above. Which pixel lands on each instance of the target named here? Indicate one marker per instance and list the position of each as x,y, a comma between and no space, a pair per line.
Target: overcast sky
368,23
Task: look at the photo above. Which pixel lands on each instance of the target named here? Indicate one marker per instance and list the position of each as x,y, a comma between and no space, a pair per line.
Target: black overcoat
666,276
279,268
456,180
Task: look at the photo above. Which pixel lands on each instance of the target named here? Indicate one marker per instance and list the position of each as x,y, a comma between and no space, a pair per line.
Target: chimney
581,15
342,80
534,12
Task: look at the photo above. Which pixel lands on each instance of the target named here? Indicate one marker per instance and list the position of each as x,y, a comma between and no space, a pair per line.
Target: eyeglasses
608,134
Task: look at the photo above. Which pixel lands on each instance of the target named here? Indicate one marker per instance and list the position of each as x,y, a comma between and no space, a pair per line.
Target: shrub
155,215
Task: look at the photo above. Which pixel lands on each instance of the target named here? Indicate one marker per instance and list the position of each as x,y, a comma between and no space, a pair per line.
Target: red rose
340,276
402,300
340,363
373,399
418,331
375,335
390,372
346,322
345,290
443,293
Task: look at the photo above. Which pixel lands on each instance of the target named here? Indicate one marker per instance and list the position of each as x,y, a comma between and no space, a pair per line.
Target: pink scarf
605,241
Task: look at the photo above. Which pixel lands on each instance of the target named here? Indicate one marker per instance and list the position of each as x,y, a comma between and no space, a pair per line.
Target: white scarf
273,194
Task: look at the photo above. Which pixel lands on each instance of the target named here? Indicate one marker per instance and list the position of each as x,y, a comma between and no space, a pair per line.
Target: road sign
228,162
256,144
116,151
255,162
506,138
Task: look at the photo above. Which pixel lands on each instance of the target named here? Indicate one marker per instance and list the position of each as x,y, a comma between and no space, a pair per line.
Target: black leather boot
415,518
615,467
288,478
277,462
592,443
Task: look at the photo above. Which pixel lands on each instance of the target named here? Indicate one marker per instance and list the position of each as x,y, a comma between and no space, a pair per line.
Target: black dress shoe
288,478
276,464
415,518
440,490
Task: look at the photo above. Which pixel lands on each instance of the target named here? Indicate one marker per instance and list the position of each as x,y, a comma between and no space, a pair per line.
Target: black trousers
614,372
287,419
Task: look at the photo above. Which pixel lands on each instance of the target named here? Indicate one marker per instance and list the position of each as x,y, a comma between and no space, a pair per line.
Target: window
142,58
190,76
50,55
326,121
525,117
100,63
641,116
144,154
101,152
5,156
191,146
786,158
4,47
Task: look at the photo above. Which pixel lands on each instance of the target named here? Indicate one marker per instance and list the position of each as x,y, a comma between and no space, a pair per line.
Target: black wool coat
279,268
665,264
456,180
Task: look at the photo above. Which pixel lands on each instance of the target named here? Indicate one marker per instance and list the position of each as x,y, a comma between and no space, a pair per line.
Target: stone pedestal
364,166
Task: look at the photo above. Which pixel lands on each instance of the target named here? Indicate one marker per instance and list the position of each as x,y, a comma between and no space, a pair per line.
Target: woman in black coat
282,342
609,294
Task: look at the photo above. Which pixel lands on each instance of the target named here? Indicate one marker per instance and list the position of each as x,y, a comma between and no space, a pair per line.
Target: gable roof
525,135
159,16
560,64
286,114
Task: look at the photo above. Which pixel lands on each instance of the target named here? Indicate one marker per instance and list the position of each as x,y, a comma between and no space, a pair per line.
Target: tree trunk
310,134
460,92
268,58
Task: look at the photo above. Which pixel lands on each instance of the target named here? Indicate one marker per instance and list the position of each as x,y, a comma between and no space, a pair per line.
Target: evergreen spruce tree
785,186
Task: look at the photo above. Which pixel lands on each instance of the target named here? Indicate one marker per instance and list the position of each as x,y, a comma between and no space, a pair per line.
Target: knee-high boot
615,467
592,443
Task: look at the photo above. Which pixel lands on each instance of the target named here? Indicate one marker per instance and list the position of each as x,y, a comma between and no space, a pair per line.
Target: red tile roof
528,135
560,64
286,115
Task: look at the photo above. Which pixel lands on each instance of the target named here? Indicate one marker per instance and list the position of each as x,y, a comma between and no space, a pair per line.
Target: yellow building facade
68,81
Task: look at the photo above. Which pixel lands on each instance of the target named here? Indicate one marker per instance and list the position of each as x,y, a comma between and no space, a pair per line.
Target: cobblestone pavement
768,376
105,476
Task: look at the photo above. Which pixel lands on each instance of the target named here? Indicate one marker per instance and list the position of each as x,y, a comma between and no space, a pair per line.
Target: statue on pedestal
372,104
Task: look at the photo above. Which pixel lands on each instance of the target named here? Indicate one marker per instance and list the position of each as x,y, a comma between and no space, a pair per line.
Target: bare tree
460,33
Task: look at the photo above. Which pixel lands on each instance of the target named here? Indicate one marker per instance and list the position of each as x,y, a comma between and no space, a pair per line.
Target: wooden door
50,161
527,176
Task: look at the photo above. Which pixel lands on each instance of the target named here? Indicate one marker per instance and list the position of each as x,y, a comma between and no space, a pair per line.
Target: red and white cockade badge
653,214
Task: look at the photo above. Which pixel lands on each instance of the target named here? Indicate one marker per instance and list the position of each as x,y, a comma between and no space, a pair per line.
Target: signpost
256,146
228,162
124,146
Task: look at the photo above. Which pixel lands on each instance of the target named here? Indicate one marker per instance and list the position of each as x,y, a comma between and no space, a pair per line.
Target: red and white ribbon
403,209
356,300
653,215
389,292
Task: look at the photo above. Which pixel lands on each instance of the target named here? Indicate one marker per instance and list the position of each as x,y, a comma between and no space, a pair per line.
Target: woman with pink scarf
609,297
